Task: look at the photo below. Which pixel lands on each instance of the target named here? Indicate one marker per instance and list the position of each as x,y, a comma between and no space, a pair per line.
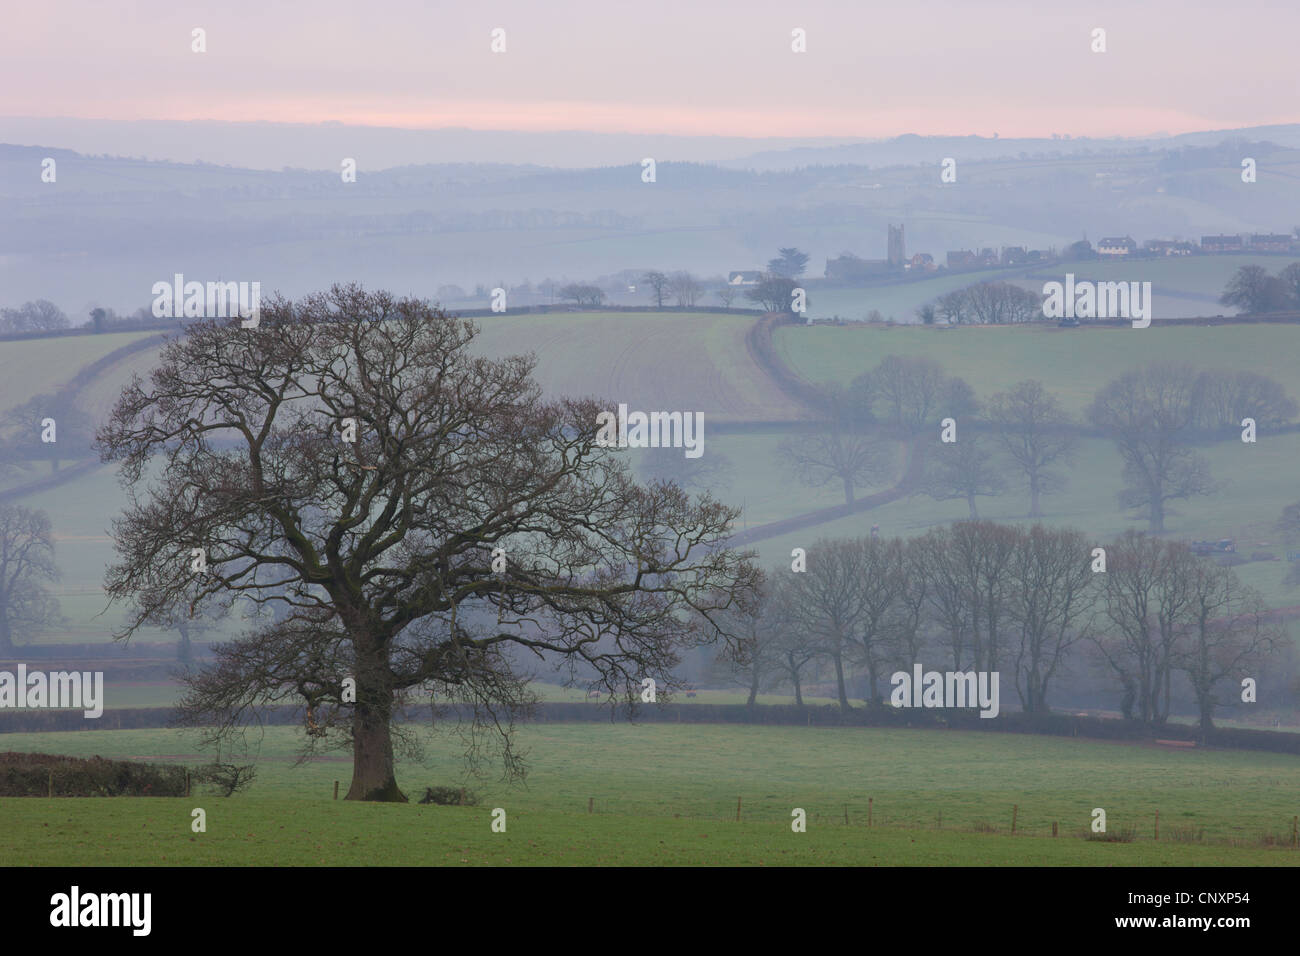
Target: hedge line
45,775
1013,722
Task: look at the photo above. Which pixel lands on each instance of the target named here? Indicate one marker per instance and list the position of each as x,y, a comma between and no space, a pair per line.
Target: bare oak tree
1148,413
71,428
1051,598
468,518
26,565
794,650
853,458
1147,595
686,289
1226,632
875,625
824,603
963,470
1221,398
658,283
1036,433
912,393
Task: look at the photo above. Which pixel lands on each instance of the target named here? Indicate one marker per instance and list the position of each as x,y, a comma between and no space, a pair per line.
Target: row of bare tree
988,303
1154,415
1001,598
41,315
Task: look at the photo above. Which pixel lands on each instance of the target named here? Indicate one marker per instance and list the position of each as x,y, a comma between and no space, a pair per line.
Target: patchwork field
701,362
695,361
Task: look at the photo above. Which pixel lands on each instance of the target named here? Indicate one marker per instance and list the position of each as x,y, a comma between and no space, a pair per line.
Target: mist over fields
112,226
692,435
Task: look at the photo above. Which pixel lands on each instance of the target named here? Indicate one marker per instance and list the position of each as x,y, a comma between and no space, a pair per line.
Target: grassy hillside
36,366
671,361
1074,363
650,361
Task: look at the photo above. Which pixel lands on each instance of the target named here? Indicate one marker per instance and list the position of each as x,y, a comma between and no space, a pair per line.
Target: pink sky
1014,67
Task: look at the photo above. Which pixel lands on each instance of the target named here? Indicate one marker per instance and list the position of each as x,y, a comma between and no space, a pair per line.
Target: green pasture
666,793
1072,363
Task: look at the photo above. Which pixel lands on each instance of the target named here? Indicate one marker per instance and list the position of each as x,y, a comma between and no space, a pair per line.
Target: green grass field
695,361
707,367
664,793
38,366
1072,363
1182,287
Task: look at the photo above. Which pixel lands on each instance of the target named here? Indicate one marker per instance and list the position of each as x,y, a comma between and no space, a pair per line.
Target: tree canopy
422,517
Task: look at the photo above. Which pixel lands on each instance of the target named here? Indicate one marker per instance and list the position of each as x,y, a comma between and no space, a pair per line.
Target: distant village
849,269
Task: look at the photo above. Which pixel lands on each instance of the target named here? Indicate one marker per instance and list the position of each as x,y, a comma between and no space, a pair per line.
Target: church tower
897,251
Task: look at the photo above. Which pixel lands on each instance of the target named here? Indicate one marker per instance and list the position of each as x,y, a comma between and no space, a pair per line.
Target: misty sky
1012,67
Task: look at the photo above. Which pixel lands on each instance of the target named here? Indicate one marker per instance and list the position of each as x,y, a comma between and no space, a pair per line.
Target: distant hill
108,228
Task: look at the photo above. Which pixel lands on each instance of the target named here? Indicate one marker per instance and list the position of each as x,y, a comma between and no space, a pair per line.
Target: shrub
449,796
226,779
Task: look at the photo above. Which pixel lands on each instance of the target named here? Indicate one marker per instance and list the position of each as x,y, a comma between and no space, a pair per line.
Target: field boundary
827,715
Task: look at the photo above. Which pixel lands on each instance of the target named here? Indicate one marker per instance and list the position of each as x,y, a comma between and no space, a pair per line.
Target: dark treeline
1147,618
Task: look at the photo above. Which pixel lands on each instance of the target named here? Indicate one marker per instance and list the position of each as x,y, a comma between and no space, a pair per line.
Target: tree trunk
1157,514
184,651
753,687
839,680
1126,704
798,692
373,776
1207,719
848,491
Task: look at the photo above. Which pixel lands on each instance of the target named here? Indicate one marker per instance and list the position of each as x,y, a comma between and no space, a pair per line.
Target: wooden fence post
1053,828
590,803
1015,808
869,799
738,809
1294,821
1157,824
336,789
187,781
51,783
846,814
